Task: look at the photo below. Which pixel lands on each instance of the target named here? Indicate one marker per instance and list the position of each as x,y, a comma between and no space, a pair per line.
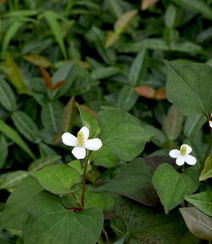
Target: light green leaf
7,97
11,179
104,72
13,135
51,116
55,224
42,162
202,201
90,122
171,16
198,223
123,239
26,126
38,60
185,87
51,18
138,68
173,124
104,157
172,186
194,124
14,214
3,150
58,179
207,172
127,98
196,5
122,133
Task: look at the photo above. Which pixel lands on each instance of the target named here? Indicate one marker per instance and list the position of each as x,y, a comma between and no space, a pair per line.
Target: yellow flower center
80,139
183,150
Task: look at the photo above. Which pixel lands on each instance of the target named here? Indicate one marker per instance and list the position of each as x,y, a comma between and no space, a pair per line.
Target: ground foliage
137,74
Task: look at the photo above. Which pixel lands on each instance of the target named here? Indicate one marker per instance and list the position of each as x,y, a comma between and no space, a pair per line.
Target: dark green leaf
7,97
104,72
3,150
11,179
207,172
42,162
50,222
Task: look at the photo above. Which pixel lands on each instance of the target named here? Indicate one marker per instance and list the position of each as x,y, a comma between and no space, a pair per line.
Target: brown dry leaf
88,110
57,138
47,78
160,94
2,1
111,38
58,85
145,91
147,3
38,60
124,21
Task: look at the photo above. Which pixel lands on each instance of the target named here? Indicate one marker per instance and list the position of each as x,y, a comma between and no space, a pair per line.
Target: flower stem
207,152
84,179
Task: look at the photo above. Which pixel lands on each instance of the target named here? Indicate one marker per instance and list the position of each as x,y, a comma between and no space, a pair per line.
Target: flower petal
69,140
85,132
180,160
191,160
93,144
79,152
210,123
174,153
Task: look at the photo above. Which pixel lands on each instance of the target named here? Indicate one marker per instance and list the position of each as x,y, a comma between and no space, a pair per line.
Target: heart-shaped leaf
198,223
14,214
202,201
189,87
122,133
171,186
148,225
58,179
135,180
50,222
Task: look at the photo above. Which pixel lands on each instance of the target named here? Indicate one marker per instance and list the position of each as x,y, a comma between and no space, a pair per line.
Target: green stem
106,236
207,152
79,205
84,179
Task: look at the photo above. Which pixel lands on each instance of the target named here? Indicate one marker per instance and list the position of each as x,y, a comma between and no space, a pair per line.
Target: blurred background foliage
101,54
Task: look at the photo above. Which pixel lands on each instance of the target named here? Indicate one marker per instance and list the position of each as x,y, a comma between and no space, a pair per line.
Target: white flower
182,155
81,142
210,123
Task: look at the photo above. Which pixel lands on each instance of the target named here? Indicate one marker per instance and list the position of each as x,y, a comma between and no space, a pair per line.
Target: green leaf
104,72
104,201
104,157
202,201
127,98
138,68
123,239
51,18
194,124
14,214
115,8
50,222
58,179
13,135
10,34
76,164
196,5
198,223
189,238
148,224
69,114
11,179
185,87
90,122
38,60
173,124
135,180
51,116
171,16
171,186
7,97
26,126
14,73
122,133
207,172
3,150
42,162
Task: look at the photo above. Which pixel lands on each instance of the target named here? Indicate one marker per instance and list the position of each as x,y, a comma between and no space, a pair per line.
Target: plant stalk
207,152
106,236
